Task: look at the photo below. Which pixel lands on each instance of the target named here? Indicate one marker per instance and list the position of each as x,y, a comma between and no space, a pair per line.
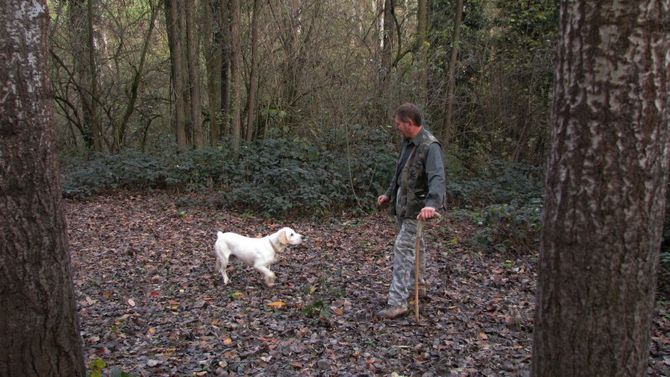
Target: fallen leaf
227,341
237,295
131,302
277,304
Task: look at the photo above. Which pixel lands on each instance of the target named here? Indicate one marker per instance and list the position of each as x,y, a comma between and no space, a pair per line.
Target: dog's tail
219,235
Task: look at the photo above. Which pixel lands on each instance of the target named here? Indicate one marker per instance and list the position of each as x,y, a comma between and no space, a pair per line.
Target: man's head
407,120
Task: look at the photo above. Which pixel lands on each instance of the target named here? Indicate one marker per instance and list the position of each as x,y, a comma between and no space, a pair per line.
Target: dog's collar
275,248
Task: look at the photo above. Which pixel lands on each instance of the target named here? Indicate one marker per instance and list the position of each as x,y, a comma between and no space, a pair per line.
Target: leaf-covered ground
152,304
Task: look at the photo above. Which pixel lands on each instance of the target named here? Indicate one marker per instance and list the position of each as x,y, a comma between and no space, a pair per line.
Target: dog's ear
283,239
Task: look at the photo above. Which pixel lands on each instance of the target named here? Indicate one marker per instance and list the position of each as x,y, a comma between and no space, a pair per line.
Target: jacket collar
418,138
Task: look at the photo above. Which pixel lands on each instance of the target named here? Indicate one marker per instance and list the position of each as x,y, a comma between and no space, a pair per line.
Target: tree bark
447,126
235,75
253,74
388,30
81,23
177,64
225,66
422,44
212,45
39,326
605,190
193,58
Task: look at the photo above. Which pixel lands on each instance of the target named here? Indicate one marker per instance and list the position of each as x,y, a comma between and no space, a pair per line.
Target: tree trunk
388,32
176,53
253,75
235,75
225,66
134,90
39,326
421,49
447,126
605,190
212,45
193,58
81,23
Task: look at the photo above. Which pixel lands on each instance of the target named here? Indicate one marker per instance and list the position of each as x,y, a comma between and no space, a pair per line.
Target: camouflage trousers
402,283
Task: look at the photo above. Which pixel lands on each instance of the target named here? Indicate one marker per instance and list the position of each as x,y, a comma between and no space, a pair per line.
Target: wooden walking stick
417,265
417,268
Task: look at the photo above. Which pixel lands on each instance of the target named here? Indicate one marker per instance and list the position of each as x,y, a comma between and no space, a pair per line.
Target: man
417,192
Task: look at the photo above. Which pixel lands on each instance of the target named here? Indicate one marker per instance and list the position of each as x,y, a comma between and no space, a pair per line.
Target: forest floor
152,304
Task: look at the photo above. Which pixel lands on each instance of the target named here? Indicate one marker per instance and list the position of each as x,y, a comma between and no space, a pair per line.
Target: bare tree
253,72
388,38
422,44
193,59
447,124
178,69
81,24
605,190
120,129
224,32
235,75
213,54
39,326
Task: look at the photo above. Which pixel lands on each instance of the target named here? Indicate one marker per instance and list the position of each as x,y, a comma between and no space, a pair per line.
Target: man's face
405,128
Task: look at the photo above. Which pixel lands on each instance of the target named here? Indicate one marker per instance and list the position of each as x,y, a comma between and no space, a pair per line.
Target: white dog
256,252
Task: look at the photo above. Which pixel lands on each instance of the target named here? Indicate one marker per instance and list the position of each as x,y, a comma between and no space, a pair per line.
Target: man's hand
382,199
427,213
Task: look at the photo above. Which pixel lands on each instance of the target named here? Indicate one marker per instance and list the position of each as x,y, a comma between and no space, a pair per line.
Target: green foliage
128,169
315,308
665,259
505,201
665,245
498,183
527,26
503,76
96,366
509,228
272,176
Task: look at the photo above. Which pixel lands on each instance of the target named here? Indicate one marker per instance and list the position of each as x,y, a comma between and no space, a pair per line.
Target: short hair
408,111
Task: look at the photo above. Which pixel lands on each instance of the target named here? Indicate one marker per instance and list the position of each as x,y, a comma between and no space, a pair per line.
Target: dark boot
392,312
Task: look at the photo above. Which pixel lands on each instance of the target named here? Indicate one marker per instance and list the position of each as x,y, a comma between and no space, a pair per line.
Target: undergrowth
282,176
273,177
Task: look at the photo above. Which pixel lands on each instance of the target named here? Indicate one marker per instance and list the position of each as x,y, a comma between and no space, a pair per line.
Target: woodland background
265,101
282,108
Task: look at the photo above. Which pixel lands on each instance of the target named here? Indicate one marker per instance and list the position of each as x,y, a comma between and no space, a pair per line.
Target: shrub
505,201
498,183
125,170
510,227
271,176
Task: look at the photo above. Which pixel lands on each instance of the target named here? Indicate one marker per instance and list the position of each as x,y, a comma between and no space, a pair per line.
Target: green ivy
274,176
